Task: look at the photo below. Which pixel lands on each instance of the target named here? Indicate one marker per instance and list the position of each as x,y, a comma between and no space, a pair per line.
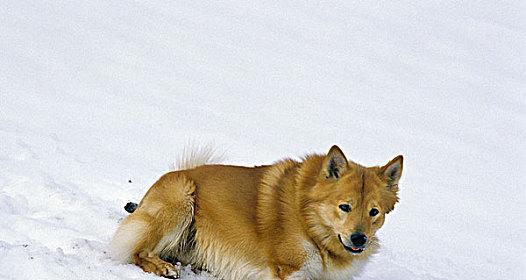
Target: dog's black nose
358,239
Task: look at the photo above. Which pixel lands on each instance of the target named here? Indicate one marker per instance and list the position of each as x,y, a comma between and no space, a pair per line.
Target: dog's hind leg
159,226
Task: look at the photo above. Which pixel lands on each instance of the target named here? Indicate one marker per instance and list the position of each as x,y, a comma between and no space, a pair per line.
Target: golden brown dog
309,219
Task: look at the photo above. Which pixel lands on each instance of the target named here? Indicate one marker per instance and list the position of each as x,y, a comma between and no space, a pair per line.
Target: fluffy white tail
195,156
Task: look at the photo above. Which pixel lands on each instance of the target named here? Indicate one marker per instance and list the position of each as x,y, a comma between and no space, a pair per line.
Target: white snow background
96,93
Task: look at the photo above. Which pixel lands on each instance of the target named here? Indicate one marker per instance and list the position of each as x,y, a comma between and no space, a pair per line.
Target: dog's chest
313,267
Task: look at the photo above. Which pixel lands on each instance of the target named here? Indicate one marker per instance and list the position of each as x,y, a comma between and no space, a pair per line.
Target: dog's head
348,202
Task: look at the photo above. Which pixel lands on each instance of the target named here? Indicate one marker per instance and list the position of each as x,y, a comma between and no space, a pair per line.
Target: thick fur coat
309,219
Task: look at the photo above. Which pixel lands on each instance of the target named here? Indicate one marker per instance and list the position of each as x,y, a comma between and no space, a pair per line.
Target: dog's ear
335,163
393,170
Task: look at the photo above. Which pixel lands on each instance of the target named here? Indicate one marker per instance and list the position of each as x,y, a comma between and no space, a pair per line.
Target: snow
94,94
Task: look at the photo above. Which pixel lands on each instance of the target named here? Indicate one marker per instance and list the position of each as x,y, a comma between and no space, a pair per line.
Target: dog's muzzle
357,244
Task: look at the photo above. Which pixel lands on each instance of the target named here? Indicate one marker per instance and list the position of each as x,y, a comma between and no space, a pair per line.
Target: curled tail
191,157
195,156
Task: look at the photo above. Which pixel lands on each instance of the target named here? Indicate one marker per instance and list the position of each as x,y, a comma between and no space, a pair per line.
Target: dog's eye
373,212
345,207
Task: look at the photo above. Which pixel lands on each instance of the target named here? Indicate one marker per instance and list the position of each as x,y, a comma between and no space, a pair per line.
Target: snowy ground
98,98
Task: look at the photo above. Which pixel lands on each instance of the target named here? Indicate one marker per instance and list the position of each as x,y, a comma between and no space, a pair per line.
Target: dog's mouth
352,249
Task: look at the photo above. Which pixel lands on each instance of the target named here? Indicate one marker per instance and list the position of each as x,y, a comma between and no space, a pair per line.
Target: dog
314,218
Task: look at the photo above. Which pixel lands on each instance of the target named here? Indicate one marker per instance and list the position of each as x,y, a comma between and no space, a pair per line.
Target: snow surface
96,93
